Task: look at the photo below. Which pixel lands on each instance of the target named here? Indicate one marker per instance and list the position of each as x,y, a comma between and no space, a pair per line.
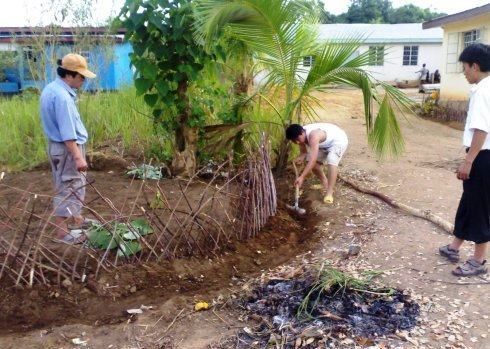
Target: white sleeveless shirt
335,135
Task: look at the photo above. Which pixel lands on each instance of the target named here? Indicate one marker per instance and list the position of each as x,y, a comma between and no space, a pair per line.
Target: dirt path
455,315
423,178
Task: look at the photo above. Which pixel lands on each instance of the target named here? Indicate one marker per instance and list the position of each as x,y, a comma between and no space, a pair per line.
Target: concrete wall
454,86
7,47
393,68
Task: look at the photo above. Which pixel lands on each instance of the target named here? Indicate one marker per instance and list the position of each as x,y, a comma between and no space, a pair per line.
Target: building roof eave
457,17
394,41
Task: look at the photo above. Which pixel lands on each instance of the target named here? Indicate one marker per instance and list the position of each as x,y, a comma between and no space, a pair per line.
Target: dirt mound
105,300
100,161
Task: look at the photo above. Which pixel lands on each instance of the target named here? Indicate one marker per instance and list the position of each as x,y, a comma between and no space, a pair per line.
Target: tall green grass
118,117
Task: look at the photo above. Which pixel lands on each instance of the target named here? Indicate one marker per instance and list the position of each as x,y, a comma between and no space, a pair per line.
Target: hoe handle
296,193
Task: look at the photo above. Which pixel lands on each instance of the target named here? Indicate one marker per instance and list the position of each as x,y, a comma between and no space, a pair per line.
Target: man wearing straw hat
67,137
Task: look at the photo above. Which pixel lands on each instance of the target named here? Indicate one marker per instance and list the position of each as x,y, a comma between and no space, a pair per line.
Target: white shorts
330,157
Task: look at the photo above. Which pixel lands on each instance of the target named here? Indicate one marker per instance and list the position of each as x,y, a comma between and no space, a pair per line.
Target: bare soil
455,312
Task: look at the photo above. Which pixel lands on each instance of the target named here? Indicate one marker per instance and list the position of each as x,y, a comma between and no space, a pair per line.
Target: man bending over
320,144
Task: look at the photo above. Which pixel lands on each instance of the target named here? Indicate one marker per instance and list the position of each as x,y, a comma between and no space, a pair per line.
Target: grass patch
329,279
108,116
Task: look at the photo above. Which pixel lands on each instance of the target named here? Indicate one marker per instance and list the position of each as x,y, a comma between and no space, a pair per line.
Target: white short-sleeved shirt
335,135
478,113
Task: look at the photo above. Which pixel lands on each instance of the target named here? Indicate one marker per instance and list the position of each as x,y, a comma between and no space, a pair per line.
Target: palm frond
386,138
277,35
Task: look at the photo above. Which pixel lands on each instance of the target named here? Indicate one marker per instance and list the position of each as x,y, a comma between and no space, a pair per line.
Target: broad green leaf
142,85
131,235
142,226
128,248
162,87
150,70
157,113
151,99
101,238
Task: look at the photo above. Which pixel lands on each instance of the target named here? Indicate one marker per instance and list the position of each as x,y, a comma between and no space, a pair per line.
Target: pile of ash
303,313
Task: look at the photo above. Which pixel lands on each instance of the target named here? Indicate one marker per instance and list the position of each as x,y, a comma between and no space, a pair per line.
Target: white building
398,50
460,30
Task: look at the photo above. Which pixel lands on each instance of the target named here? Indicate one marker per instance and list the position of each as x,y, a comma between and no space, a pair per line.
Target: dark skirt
472,221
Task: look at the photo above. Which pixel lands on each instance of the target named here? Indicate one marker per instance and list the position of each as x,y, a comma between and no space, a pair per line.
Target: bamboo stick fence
228,207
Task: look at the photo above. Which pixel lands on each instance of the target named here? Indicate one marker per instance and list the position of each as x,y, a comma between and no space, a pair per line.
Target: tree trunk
184,162
240,89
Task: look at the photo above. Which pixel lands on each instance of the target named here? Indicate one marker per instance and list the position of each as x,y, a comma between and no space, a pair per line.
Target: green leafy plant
280,34
122,236
145,172
167,60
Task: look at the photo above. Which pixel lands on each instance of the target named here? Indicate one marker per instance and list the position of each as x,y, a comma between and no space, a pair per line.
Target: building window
410,55
452,54
29,54
376,55
471,37
308,61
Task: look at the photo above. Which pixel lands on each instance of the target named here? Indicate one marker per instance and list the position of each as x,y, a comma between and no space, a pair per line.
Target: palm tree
281,33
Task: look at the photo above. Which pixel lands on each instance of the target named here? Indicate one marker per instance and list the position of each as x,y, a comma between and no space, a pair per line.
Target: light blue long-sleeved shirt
59,114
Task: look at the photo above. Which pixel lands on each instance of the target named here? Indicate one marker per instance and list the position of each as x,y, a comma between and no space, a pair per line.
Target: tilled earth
453,312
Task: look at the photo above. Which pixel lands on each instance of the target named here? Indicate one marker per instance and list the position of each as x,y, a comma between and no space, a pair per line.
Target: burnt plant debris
313,308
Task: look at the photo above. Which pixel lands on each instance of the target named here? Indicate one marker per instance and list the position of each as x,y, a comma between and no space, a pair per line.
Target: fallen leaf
201,306
78,341
327,314
135,311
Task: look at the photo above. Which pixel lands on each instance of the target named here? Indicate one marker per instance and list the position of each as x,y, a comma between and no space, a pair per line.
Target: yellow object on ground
317,187
201,306
328,199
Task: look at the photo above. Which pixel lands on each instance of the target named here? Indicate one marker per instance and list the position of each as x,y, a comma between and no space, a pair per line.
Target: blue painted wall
122,65
110,63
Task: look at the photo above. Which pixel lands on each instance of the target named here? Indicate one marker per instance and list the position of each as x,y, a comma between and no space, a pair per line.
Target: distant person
437,77
422,75
319,144
472,222
67,137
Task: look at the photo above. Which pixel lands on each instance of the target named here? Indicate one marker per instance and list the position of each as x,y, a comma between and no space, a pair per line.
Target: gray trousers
69,183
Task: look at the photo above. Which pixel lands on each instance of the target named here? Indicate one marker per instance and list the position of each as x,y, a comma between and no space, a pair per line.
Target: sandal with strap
471,268
74,237
451,254
328,199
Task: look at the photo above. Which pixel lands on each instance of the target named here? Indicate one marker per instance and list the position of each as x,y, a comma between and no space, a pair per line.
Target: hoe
295,208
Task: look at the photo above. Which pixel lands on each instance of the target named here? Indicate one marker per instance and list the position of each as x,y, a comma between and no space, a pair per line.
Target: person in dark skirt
472,222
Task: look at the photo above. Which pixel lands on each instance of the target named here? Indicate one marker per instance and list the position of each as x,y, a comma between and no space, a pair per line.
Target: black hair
477,54
62,72
294,131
